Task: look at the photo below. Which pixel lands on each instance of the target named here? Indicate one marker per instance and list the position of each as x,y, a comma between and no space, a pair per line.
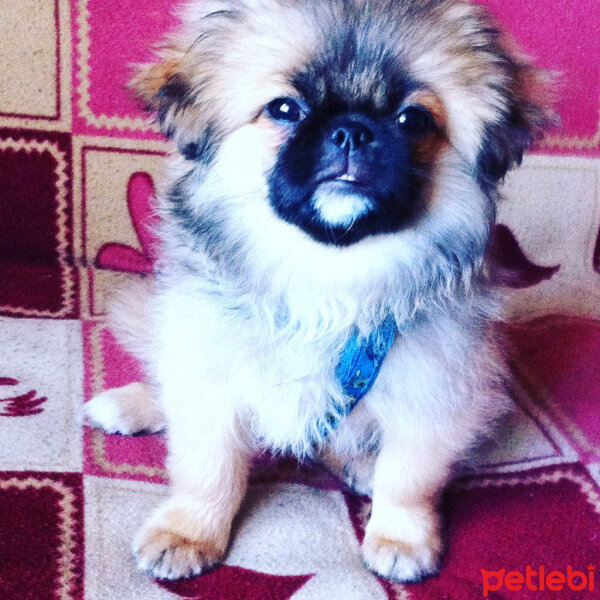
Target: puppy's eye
285,110
416,121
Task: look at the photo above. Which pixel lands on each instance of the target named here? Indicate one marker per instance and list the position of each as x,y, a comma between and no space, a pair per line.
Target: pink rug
77,165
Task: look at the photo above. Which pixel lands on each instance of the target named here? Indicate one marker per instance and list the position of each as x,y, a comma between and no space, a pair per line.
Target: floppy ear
177,87
526,114
148,79
165,90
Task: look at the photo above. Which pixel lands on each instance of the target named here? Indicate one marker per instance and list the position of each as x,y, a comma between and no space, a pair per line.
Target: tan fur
404,525
150,78
209,475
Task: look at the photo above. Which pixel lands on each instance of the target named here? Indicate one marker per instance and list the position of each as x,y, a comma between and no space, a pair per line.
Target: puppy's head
350,115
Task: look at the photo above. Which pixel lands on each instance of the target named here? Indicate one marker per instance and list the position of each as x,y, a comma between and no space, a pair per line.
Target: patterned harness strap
357,369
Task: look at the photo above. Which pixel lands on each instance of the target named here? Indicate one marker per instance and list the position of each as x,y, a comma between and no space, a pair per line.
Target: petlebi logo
539,579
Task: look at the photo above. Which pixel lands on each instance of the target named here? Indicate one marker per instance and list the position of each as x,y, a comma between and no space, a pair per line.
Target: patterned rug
78,163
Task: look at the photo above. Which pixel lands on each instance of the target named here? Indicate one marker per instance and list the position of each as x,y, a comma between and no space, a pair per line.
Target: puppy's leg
358,473
402,539
126,410
208,465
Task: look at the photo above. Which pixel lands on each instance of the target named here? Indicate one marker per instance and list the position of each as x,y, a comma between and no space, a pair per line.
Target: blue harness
357,369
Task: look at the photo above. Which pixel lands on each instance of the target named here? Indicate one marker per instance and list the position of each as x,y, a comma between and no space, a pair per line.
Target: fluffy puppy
330,201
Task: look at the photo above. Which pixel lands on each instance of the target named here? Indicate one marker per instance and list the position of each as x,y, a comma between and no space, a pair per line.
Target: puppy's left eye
285,110
416,121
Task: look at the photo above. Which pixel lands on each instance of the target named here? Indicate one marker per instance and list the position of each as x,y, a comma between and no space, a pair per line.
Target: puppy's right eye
285,110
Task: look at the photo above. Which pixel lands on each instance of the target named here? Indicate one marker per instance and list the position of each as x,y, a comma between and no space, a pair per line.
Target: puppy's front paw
399,561
167,555
126,410
170,546
404,558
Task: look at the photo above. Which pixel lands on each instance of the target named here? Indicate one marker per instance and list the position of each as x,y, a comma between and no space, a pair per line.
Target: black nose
352,135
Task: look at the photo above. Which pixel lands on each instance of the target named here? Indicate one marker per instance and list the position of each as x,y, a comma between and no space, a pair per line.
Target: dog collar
357,369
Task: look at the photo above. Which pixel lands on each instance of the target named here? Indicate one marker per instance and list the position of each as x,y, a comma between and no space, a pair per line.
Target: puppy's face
354,162
345,110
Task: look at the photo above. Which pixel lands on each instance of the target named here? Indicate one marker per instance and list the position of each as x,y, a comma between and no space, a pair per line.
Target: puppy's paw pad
167,555
400,561
124,410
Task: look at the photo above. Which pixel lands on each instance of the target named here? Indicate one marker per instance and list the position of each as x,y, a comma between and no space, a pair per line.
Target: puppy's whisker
347,230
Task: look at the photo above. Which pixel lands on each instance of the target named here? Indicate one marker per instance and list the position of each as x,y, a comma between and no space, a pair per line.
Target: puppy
322,283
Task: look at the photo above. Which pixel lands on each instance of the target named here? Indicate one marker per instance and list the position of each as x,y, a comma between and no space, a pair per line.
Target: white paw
125,410
400,561
162,551
402,542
